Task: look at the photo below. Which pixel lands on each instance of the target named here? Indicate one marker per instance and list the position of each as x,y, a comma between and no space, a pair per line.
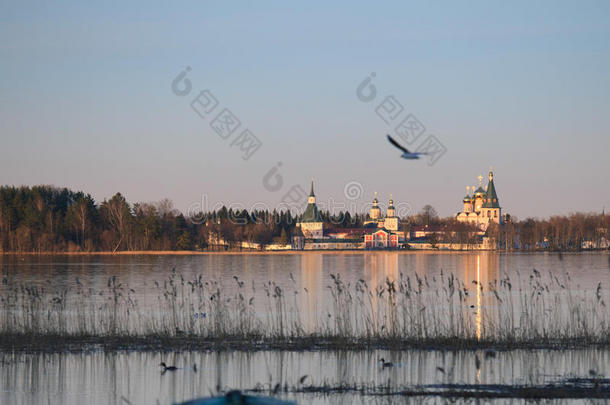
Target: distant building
311,223
380,238
424,231
310,233
376,218
483,207
382,231
379,232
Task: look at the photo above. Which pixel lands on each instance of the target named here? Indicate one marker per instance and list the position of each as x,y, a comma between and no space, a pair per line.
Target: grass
570,388
412,311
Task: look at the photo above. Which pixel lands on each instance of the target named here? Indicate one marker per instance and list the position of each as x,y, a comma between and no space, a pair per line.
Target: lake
107,378
482,295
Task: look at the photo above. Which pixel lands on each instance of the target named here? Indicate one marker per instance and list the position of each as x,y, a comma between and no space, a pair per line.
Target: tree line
52,219
556,233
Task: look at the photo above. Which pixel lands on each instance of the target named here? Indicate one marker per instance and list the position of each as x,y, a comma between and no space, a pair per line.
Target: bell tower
491,204
468,200
375,211
311,222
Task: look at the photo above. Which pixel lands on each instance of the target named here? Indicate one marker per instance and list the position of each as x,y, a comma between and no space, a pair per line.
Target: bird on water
168,368
385,364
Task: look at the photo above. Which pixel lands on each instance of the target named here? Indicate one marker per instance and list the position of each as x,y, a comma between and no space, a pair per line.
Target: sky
87,101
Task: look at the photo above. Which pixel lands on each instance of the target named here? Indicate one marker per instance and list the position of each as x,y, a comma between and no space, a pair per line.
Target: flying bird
406,153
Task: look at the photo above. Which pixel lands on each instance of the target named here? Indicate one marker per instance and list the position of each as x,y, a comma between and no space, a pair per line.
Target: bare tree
428,214
118,214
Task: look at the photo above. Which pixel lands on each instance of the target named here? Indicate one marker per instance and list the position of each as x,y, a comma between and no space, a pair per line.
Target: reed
414,309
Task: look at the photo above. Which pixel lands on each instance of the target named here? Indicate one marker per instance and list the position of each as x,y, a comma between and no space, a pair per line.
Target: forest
52,219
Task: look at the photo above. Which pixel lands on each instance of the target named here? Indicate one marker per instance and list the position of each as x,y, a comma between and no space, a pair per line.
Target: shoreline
281,252
76,343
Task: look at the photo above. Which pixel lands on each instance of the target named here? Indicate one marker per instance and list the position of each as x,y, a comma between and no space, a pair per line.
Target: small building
424,231
380,238
345,233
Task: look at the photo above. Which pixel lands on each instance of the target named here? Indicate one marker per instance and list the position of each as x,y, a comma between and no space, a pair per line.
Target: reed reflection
311,288
153,298
379,268
135,376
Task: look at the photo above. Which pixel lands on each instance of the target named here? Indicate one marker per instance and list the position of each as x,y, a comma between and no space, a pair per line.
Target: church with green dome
483,207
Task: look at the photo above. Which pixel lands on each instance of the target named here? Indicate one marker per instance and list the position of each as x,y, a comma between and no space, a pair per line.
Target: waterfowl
168,368
385,364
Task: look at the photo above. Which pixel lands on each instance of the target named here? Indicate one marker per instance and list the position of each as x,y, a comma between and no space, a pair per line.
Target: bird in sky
406,153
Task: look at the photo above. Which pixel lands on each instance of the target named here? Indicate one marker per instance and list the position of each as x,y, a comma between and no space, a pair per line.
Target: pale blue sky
86,102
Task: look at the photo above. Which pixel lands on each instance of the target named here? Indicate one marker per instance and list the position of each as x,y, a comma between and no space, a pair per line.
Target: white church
483,207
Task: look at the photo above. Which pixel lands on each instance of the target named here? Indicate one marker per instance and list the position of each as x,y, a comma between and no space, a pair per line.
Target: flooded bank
370,301
503,327
327,377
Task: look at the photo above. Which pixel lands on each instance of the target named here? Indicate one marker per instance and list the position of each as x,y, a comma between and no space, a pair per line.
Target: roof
372,231
491,198
479,191
347,231
332,240
311,213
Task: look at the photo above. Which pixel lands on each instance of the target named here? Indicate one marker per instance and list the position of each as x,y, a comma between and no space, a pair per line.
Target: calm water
106,378
309,270
304,280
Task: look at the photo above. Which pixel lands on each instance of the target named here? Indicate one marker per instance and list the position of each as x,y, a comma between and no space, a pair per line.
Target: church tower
391,210
468,200
391,220
491,205
478,195
375,211
311,223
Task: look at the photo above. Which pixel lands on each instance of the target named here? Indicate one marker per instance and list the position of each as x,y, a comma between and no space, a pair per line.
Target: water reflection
373,266
106,378
478,287
305,277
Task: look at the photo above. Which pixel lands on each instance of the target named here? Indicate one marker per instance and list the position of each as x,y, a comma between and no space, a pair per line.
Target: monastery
379,231
383,231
